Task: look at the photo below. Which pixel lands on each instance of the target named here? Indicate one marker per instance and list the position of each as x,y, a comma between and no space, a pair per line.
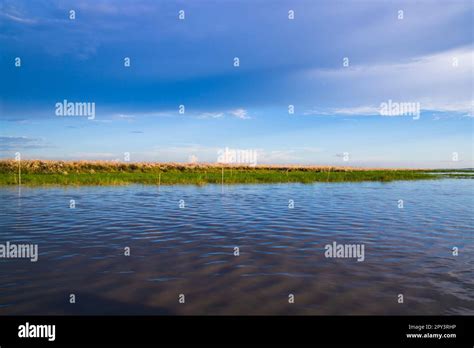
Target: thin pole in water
159,181
18,158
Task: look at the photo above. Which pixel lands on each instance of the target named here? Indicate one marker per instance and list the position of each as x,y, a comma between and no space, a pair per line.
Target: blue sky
425,58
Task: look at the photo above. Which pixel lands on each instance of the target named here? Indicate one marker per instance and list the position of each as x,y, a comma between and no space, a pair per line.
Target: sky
336,63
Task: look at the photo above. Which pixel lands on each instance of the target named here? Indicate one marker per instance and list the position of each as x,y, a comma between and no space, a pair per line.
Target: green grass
209,176
37,172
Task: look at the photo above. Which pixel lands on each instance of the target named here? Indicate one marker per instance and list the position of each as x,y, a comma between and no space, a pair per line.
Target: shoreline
98,173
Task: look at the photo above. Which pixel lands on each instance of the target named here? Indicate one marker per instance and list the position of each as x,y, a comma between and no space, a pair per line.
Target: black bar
288,330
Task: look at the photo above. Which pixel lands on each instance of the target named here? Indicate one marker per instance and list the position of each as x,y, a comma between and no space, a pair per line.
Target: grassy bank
114,173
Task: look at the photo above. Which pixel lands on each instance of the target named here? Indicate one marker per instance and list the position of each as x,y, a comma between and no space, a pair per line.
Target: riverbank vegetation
39,172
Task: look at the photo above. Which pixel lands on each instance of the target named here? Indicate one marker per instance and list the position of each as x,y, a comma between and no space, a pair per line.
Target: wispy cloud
240,113
13,13
455,109
439,82
18,120
211,115
348,111
18,19
12,143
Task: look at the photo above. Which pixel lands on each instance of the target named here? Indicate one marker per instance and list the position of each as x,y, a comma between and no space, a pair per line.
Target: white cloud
240,113
211,115
434,81
461,109
14,143
18,19
348,111
111,116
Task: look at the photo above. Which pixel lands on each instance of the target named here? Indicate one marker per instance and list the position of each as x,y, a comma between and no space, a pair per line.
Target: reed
40,172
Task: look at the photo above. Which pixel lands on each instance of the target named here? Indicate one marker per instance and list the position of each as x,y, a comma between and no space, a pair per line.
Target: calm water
190,250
